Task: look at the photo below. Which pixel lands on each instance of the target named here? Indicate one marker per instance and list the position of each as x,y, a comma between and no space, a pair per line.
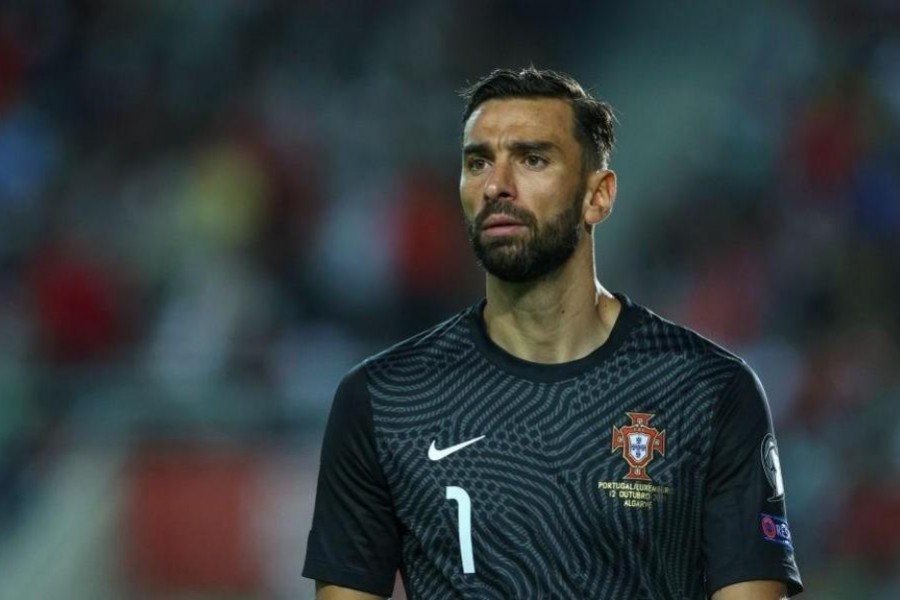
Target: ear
599,196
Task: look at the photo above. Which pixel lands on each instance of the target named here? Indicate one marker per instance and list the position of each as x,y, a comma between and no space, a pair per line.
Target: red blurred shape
430,243
188,521
870,526
729,299
12,67
80,305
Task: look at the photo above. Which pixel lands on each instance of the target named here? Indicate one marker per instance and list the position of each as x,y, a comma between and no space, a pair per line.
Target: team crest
639,442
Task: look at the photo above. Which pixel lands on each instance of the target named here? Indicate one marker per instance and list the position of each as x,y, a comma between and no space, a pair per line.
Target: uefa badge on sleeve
772,467
775,529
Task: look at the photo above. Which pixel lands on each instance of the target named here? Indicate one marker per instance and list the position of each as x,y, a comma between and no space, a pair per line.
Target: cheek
542,194
468,198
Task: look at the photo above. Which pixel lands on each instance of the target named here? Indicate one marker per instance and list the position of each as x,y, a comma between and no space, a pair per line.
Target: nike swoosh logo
435,454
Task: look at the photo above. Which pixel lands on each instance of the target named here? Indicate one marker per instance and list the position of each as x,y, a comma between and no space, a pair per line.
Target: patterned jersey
647,469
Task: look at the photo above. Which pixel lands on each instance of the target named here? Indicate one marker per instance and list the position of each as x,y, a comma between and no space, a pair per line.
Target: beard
542,250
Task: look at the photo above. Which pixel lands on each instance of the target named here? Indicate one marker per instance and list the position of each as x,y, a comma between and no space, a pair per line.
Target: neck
563,316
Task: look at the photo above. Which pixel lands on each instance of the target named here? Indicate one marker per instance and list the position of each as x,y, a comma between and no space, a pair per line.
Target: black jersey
647,469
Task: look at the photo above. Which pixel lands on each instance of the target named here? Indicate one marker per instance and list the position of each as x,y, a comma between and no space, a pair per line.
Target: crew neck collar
544,372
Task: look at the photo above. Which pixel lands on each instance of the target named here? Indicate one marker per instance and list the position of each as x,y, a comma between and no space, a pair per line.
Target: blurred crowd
785,250
208,214
201,226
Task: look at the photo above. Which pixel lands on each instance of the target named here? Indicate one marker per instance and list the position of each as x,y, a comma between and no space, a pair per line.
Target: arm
326,591
747,546
752,590
355,540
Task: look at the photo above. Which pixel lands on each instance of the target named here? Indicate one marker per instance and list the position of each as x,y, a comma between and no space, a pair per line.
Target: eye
476,164
535,161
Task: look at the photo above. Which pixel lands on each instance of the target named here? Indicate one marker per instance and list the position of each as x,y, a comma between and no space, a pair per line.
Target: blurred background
209,211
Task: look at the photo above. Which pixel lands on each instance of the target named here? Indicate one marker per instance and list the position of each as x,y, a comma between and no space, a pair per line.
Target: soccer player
554,440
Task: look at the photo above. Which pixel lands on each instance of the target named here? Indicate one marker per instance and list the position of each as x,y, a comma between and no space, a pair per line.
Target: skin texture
752,590
521,159
565,314
326,591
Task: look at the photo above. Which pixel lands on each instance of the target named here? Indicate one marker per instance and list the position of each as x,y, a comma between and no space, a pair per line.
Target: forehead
549,119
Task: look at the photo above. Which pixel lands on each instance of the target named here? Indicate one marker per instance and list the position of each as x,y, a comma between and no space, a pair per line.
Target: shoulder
724,391
434,347
708,362
657,335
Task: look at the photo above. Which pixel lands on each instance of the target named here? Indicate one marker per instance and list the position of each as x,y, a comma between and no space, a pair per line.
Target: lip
501,230
501,222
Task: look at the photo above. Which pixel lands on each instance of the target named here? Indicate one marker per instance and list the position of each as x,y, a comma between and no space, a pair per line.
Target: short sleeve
746,535
354,541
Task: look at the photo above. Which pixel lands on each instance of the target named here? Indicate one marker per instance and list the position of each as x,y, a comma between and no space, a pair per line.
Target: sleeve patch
775,529
772,467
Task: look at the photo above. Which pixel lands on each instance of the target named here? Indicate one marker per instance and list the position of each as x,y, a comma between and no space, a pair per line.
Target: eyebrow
518,147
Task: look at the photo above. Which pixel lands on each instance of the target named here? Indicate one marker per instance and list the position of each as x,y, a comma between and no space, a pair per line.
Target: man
554,440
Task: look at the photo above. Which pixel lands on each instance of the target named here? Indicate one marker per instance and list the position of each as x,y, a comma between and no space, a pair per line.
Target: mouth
497,225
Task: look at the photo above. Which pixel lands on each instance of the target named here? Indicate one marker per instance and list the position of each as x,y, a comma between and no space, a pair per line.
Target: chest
573,472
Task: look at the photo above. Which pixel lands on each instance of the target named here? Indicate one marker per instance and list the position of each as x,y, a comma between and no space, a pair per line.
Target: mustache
504,208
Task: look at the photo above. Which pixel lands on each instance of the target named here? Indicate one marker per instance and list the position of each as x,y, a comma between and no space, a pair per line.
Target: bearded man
554,440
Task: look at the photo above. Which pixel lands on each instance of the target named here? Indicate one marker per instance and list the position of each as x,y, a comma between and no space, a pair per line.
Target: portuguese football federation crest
639,442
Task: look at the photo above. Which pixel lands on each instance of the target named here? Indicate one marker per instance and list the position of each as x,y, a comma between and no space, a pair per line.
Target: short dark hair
594,119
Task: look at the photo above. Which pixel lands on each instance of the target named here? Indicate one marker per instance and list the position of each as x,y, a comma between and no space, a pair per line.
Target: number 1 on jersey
464,514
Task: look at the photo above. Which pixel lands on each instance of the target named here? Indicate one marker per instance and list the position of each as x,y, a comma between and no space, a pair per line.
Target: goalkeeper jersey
647,469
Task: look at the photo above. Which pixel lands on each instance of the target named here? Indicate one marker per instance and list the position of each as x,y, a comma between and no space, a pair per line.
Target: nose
500,184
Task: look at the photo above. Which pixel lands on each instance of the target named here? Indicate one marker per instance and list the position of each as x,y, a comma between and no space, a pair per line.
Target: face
523,187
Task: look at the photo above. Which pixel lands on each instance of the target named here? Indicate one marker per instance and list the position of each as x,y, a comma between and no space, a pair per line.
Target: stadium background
210,210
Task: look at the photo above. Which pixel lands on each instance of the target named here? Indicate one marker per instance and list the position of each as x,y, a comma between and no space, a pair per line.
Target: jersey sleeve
354,541
745,530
